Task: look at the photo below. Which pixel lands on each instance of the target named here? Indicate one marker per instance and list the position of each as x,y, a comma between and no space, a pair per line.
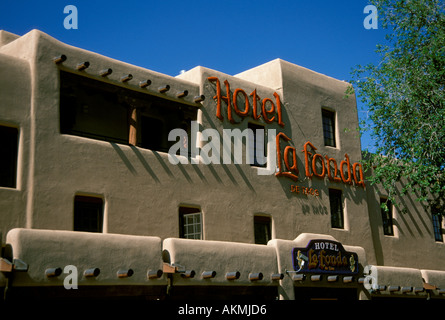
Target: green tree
405,97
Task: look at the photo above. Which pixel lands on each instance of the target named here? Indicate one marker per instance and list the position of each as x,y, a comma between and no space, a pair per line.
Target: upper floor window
437,225
88,214
257,145
336,204
100,110
262,229
190,223
8,156
386,209
328,127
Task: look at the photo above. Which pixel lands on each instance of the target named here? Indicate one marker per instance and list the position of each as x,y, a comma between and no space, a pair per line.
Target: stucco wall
15,111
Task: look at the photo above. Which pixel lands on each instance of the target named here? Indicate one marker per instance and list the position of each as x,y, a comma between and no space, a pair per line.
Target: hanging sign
324,256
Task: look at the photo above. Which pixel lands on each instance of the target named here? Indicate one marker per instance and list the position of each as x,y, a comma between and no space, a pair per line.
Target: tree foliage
406,100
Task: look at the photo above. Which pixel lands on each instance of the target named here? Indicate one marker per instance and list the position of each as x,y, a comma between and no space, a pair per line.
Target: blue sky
229,36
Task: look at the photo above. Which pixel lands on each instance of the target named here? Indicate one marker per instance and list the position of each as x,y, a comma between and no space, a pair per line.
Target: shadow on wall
375,221
411,210
407,217
199,173
230,175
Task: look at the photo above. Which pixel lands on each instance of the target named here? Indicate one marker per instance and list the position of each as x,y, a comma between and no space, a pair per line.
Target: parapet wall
48,263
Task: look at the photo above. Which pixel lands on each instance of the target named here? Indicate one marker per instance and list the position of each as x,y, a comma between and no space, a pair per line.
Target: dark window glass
336,203
103,111
152,133
8,156
437,224
88,214
262,229
329,128
92,109
387,217
258,145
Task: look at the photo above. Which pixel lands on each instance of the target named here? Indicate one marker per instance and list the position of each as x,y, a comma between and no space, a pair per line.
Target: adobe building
117,181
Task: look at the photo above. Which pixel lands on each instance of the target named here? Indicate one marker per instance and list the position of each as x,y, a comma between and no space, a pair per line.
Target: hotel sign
324,256
270,110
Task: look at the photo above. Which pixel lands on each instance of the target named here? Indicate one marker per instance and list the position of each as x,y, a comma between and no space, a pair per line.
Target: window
437,224
328,127
190,224
262,229
88,214
386,209
92,109
102,111
8,158
257,145
336,204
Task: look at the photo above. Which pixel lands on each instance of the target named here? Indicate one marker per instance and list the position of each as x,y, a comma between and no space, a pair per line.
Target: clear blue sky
229,36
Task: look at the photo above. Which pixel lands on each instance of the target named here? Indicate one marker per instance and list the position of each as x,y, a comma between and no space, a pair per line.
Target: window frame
340,222
437,221
262,220
103,111
253,144
86,202
387,217
329,128
184,213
